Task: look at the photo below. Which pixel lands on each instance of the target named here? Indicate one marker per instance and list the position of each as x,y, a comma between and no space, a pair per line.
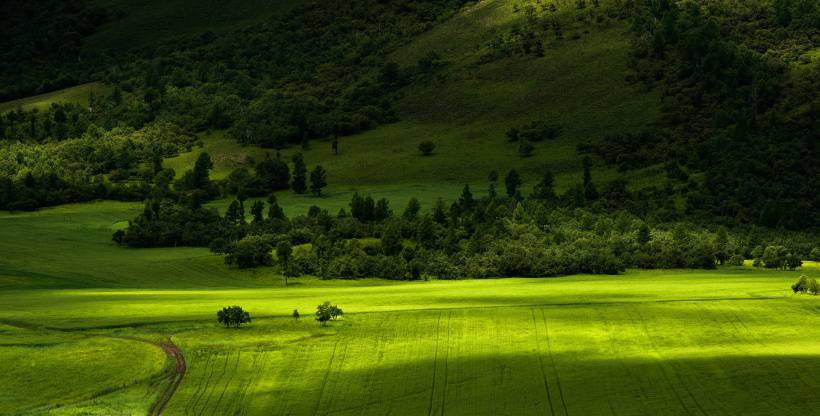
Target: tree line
492,235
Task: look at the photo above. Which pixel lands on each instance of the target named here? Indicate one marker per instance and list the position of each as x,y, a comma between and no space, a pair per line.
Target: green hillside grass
66,370
74,95
145,22
466,110
653,342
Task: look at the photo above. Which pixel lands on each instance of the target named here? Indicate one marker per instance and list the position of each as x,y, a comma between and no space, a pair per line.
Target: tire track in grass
203,387
680,381
228,382
341,363
446,358
541,364
324,379
207,366
750,336
215,384
552,360
624,367
435,366
235,406
659,362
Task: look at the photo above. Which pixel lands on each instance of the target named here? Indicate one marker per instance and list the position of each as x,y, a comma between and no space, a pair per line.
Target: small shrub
525,149
426,147
814,287
736,260
801,285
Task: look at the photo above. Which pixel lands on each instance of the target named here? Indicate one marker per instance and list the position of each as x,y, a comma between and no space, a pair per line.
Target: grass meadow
85,323
578,84
75,95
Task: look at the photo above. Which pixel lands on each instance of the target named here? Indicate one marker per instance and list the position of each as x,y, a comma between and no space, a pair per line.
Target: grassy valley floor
732,341
91,328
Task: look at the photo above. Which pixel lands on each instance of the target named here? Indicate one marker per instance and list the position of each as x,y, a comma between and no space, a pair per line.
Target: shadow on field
552,385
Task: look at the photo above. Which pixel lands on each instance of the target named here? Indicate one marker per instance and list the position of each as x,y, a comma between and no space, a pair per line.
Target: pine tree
590,191
440,212
512,182
318,180
257,209
412,210
493,178
275,212
233,215
202,169
466,201
545,189
382,210
299,183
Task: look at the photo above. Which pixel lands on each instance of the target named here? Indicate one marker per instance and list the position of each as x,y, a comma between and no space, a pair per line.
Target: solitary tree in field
426,147
323,312
233,316
801,285
318,180
284,251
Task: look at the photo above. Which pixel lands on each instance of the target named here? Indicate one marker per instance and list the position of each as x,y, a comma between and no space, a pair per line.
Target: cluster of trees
120,164
543,234
45,31
776,257
535,131
272,174
318,71
545,22
740,105
57,122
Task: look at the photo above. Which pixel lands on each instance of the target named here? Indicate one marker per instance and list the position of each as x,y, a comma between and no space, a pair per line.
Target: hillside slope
467,107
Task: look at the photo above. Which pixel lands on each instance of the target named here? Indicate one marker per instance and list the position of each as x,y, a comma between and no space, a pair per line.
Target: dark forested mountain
736,140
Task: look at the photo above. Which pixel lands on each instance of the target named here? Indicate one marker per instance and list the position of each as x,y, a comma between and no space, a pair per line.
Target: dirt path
175,375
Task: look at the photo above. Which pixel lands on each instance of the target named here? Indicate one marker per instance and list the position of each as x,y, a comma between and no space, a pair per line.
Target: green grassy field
74,95
726,342
87,325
